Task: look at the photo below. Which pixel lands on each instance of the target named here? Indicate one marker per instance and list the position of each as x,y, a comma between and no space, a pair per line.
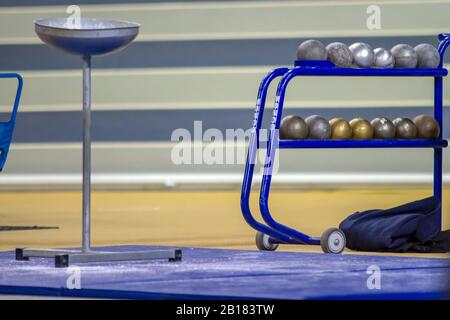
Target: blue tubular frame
7,128
325,68
438,114
254,145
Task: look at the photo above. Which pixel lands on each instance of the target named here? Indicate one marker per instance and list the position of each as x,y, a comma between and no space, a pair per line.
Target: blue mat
233,274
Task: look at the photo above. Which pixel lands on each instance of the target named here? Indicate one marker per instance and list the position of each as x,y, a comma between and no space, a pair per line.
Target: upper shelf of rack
327,68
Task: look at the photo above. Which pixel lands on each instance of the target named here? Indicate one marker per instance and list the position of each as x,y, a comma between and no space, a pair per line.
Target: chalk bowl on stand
88,37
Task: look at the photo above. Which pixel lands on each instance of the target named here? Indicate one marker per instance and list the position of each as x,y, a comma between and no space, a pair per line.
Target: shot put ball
405,128
427,127
361,129
383,128
293,128
319,128
404,56
339,54
340,129
363,55
383,58
427,56
311,50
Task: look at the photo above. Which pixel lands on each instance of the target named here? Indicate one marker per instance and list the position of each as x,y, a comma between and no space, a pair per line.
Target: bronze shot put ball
340,129
293,128
427,127
361,129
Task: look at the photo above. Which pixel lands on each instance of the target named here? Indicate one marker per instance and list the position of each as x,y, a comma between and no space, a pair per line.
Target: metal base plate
64,258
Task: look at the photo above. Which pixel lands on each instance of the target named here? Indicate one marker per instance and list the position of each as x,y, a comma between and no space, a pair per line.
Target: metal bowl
88,37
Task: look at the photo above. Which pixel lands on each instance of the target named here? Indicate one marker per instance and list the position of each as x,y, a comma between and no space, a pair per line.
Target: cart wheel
262,242
332,241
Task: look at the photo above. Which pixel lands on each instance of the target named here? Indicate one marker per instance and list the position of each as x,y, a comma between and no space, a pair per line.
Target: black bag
410,227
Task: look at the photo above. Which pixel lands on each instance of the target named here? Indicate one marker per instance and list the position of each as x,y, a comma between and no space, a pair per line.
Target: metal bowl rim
131,25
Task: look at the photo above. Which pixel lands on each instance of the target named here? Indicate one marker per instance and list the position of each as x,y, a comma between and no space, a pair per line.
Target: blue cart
7,128
273,233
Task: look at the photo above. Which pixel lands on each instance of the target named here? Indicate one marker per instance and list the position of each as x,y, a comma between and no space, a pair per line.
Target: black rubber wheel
262,242
333,241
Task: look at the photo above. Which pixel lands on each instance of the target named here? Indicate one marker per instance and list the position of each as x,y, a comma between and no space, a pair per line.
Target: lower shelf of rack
373,143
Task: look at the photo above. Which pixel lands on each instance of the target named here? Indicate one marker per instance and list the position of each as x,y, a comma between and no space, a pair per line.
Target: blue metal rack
272,233
7,128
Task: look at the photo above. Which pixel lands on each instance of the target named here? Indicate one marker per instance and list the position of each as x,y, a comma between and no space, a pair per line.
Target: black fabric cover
410,227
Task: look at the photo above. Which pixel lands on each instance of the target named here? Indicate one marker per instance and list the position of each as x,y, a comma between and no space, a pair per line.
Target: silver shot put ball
363,55
405,128
404,56
427,56
339,54
383,58
319,127
383,128
311,50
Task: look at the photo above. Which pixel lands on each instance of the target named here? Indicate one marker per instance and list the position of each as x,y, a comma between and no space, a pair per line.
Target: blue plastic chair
7,128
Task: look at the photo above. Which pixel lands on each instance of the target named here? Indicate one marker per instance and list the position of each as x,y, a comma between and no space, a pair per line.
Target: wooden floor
200,219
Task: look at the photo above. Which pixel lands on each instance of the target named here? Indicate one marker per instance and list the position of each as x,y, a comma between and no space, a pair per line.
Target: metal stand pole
86,154
63,258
